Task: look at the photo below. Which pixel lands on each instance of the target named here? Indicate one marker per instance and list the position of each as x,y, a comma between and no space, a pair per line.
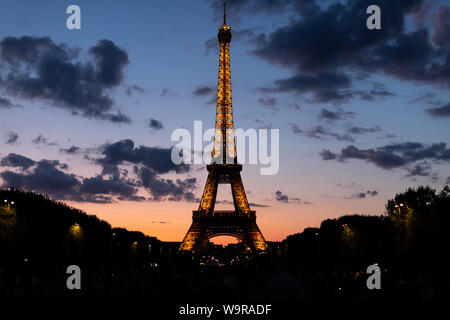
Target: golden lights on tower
224,126
208,223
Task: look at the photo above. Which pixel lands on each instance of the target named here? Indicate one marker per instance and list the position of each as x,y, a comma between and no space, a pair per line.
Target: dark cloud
6,103
382,159
262,124
279,196
448,181
213,101
294,106
326,86
45,178
204,91
347,185
37,68
258,205
327,155
440,112
40,139
268,102
325,61
11,137
155,124
441,25
421,169
329,115
110,62
362,195
166,92
134,88
295,129
119,117
16,160
422,12
207,91
393,155
118,187
339,114
71,150
154,158
361,130
153,161
177,190
428,97
358,195
321,133
379,93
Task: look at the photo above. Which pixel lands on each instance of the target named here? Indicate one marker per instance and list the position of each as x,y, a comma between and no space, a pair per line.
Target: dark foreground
409,245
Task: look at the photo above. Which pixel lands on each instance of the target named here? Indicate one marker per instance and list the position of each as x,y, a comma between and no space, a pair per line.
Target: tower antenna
224,13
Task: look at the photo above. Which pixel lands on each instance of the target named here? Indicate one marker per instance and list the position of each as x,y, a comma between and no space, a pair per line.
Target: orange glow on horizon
169,221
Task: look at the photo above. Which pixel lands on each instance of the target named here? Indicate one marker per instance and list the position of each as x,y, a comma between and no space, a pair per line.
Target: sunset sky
86,115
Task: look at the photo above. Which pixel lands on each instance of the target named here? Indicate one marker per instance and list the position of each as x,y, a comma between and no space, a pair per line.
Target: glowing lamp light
76,231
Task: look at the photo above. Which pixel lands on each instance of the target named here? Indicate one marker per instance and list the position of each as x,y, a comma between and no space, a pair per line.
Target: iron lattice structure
241,222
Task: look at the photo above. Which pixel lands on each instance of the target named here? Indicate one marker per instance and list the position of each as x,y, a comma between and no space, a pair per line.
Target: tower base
223,223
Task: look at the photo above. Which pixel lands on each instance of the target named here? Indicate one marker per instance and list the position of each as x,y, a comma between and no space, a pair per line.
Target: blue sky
171,53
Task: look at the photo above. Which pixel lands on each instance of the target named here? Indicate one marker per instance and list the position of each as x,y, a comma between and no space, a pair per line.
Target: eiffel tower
224,168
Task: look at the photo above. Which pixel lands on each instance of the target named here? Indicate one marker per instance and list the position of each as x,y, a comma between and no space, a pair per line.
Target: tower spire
224,150
224,13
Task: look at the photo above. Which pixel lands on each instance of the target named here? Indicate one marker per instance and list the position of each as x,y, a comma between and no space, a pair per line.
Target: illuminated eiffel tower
207,222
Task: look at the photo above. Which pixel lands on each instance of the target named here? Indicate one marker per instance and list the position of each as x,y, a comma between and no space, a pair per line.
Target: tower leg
209,194
193,237
239,197
258,241
207,223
